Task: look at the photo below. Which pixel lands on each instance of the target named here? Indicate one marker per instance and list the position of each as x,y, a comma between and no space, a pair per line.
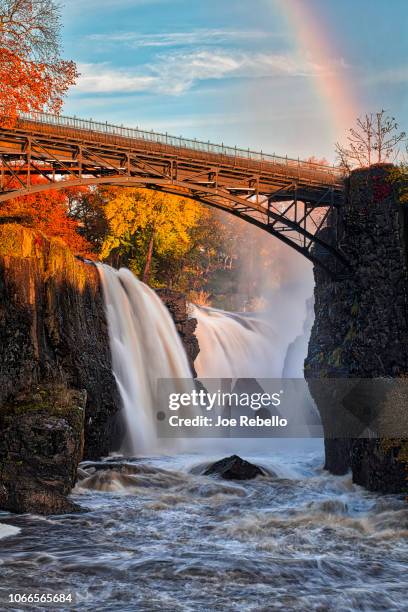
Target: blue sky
236,71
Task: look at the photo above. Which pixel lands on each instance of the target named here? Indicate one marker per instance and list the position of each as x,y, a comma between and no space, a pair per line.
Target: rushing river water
158,537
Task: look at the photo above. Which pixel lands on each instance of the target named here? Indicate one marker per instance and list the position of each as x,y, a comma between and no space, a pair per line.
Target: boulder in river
234,468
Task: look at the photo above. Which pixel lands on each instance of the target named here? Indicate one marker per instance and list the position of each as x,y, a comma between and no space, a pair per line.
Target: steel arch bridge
290,199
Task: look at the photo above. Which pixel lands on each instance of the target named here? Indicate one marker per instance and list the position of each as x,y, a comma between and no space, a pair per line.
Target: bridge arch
247,188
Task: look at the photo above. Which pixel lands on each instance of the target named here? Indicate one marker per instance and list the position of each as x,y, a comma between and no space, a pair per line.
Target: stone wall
361,320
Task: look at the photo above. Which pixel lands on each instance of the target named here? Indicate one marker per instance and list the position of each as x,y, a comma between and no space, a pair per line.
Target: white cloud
172,39
175,73
102,78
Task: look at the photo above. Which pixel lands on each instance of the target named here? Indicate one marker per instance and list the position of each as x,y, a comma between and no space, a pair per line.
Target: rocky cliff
361,328
57,393
58,398
41,444
177,306
53,328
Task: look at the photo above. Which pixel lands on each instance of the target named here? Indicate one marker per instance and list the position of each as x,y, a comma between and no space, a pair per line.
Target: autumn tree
86,206
136,228
33,76
145,225
374,139
47,212
192,273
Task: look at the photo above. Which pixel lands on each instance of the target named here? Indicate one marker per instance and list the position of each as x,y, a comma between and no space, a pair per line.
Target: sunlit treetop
32,73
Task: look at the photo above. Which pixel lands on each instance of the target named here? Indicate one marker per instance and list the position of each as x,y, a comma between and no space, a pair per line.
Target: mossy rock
16,241
53,400
40,449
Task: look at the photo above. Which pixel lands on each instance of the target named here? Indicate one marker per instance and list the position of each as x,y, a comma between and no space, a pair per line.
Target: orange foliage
31,86
33,76
48,212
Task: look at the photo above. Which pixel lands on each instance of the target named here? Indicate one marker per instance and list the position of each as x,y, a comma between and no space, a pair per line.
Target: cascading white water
237,345
145,346
254,345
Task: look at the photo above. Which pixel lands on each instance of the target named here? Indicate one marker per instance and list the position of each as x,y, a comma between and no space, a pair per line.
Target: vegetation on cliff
398,176
48,213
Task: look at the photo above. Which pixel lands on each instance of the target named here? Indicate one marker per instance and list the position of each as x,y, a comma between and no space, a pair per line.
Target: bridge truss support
291,203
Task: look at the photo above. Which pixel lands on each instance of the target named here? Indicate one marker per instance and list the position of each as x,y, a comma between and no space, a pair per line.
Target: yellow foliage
139,211
398,176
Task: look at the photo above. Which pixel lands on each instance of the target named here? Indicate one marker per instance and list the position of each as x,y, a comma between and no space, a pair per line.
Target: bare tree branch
375,139
30,27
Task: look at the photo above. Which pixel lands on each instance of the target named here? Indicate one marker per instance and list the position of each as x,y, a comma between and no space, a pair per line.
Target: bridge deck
271,170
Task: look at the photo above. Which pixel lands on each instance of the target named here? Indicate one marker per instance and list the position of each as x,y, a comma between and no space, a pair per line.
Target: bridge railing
178,142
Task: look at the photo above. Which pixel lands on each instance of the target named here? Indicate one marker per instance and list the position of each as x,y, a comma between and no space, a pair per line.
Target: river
157,536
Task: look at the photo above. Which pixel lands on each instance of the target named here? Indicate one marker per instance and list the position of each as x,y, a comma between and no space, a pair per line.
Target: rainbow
315,41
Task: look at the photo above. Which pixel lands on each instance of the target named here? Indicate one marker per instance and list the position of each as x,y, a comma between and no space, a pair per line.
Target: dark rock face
337,455
361,322
376,465
234,468
41,445
53,328
177,306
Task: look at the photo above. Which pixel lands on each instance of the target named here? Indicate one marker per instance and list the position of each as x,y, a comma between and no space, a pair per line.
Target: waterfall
257,345
145,346
237,345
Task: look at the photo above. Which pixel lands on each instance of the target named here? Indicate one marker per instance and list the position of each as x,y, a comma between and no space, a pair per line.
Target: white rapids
6,531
